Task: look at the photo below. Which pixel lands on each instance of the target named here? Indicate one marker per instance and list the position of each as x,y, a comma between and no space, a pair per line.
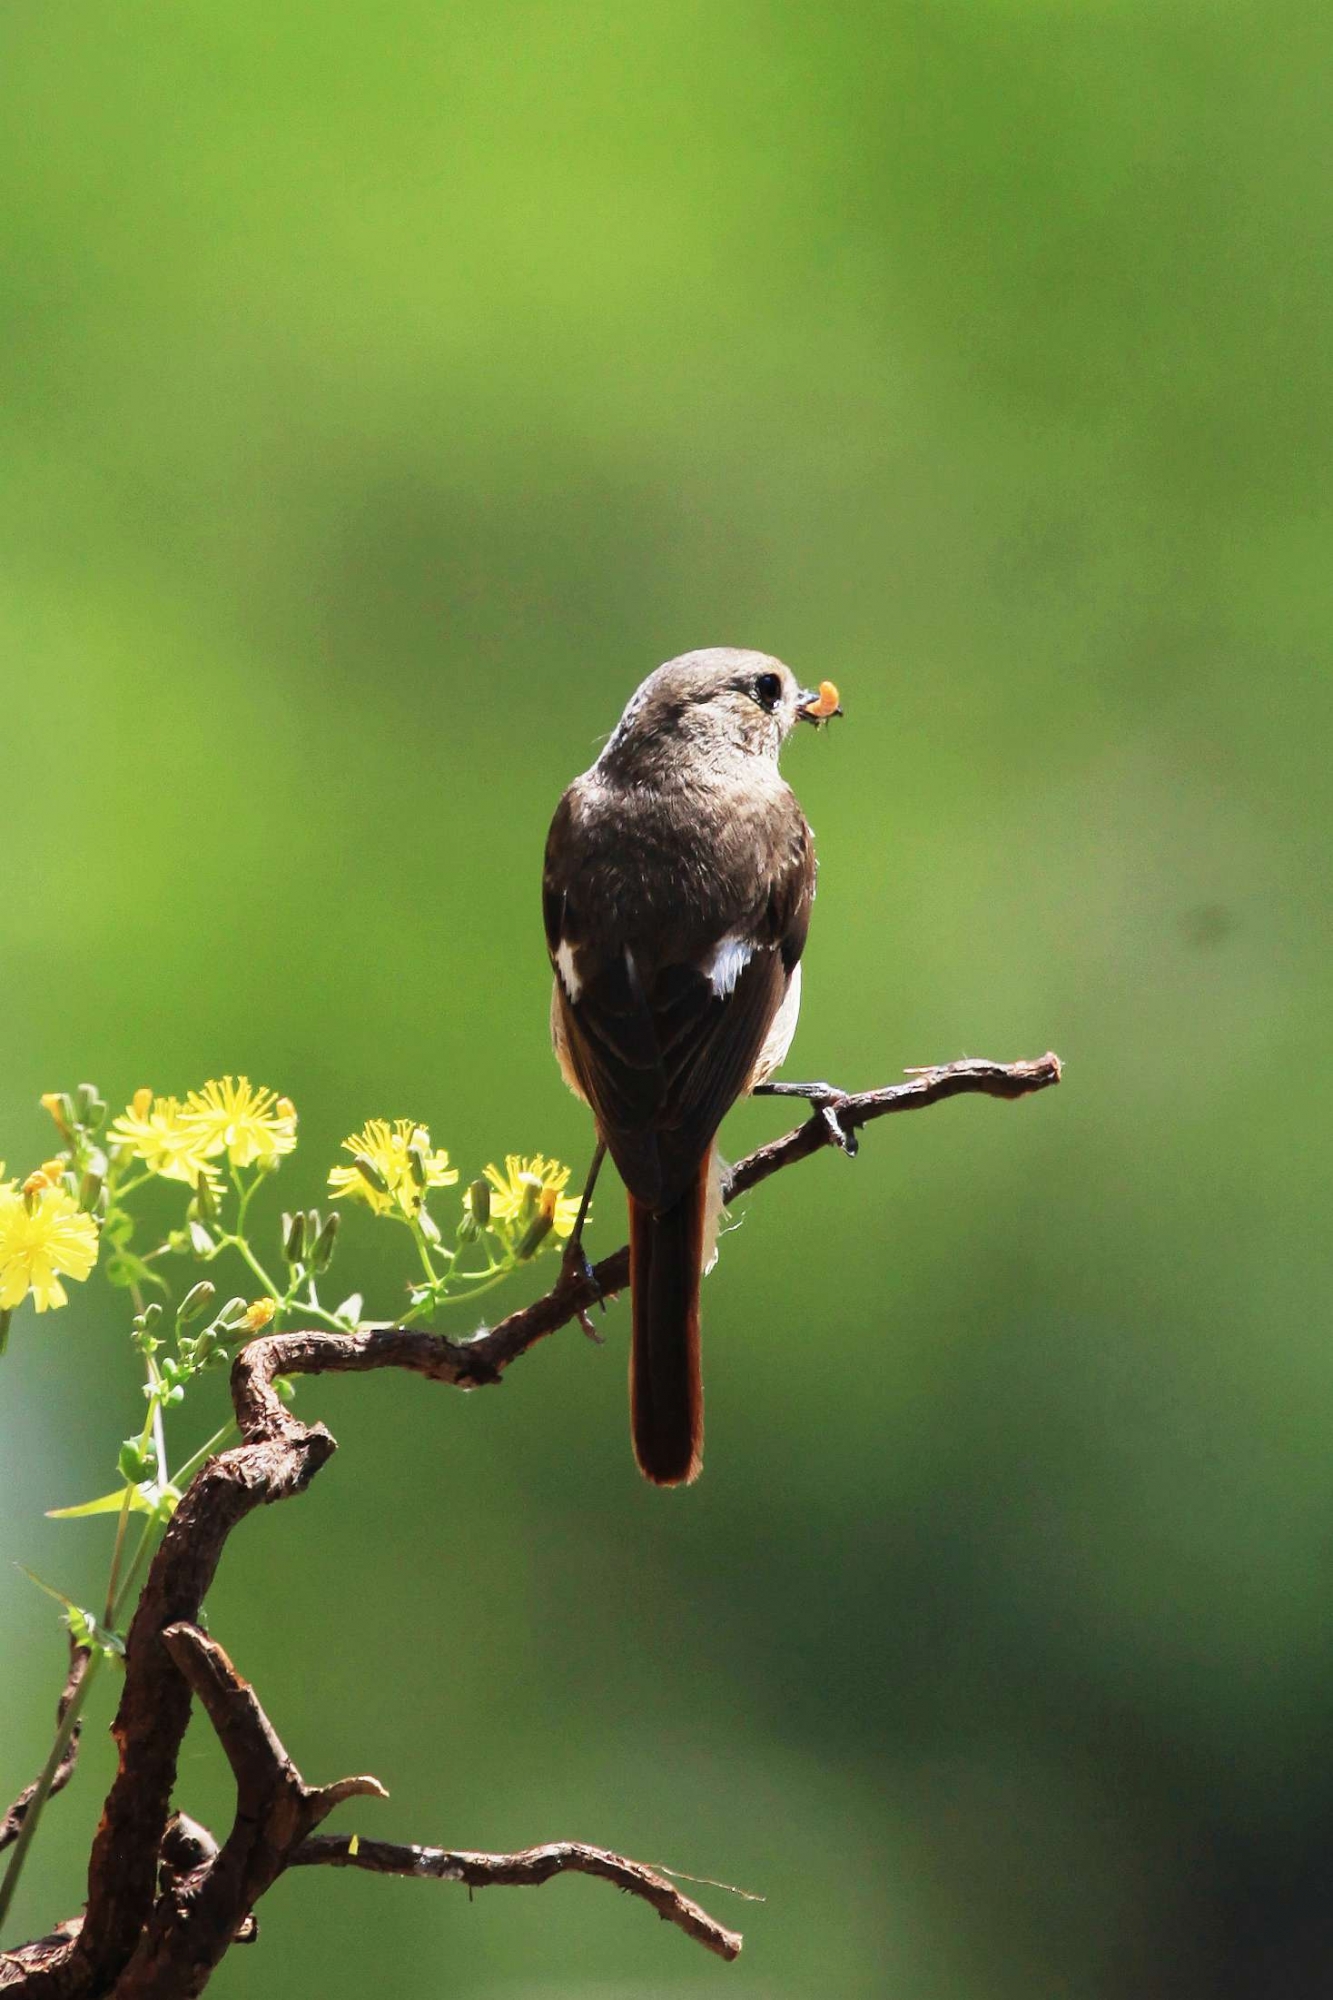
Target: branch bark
149,1931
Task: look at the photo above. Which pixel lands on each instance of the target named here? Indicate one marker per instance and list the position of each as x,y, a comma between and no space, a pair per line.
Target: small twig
709,1882
11,1826
852,1109
532,1866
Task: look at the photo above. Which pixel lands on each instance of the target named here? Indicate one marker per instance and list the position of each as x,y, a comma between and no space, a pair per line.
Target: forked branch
164,1903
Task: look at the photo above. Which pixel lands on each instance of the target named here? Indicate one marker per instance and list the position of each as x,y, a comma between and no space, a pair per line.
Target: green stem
117,1598
243,1194
159,1431
481,1281
424,1253
69,1722
192,1465
132,1574
239,1244
152,1428
117,1553
309,1307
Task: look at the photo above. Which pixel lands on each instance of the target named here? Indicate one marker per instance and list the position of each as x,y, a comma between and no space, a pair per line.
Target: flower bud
479,1201
197,1300
133,1464
539,1228
416,1160
90,1189
322,1254
370,1173
232,1313
205,1199
89,1109
428,1226
293,1238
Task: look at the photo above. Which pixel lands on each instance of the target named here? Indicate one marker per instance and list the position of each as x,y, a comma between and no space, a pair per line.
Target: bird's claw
824,1100
846,1142
577,1274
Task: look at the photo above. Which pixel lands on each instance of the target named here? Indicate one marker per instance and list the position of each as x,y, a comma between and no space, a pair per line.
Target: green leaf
125,1269
49,1588
85,1631
142,1501
84,1627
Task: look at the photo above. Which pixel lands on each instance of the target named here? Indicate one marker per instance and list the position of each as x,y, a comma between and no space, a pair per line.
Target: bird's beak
818,707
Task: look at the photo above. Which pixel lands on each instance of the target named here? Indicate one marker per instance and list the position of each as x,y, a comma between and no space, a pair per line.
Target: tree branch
525,1870
138,1936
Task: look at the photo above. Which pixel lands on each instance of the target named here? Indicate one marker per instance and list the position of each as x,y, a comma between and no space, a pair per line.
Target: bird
677,888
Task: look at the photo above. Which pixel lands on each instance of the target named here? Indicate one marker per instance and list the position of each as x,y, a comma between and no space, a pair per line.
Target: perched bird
679,877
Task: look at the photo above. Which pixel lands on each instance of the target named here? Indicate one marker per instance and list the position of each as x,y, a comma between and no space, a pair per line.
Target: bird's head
713,705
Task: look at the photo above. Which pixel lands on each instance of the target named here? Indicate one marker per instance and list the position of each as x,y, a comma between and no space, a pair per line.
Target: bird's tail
666,1250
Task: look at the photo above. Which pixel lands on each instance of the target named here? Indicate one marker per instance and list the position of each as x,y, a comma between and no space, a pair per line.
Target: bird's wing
662,1054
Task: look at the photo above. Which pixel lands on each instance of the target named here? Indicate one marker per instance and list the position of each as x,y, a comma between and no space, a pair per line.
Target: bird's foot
824,1100
577,1274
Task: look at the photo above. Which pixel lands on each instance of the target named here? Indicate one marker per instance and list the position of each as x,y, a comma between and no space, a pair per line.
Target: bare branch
525,1870
276,1812
852,1109
481,1361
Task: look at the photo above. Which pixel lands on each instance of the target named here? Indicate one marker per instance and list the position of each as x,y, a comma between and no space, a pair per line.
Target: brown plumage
679,877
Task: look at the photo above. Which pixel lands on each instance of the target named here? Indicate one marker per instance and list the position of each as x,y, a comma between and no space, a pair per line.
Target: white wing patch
730,958
569,972
780,1035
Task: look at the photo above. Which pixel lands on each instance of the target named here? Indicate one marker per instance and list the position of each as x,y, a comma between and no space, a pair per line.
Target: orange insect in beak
819,707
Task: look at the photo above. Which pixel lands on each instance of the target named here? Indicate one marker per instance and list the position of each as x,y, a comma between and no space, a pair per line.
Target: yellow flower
246,1123
154,1130
401,1166
518,1191
43,1234
257,1316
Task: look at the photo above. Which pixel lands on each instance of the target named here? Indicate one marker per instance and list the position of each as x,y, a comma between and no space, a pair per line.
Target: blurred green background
384,391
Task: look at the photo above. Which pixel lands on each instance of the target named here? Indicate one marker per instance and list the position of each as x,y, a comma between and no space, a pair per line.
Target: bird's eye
768,690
